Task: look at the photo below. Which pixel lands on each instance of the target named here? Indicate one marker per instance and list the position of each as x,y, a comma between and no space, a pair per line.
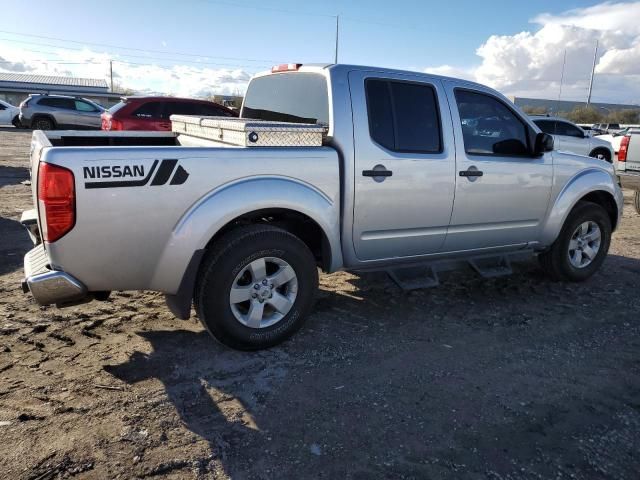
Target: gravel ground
511,378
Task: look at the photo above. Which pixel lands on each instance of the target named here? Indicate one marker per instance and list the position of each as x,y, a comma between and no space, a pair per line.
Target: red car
152,113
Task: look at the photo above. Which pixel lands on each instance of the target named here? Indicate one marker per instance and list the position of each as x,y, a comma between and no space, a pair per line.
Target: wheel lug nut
264,282
271,286
256,286
254,295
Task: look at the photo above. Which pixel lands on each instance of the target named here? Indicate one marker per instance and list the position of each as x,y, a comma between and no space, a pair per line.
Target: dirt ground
512,378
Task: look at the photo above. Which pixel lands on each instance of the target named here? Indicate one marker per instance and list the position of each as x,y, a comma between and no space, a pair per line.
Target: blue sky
249,35
401,34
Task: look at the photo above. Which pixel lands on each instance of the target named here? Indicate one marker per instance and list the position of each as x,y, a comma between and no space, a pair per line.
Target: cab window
403,116
489,127
569,130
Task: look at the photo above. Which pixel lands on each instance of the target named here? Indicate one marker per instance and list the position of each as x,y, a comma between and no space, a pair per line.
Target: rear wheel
255,287
602,154
582,245
43,123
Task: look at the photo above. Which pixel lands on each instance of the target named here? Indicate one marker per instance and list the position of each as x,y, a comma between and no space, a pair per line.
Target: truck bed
139,194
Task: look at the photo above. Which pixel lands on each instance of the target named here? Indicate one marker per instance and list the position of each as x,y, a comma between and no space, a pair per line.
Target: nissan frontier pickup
413,174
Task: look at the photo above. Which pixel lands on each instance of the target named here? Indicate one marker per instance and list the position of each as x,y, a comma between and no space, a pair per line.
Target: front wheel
255,287
582,245
16,122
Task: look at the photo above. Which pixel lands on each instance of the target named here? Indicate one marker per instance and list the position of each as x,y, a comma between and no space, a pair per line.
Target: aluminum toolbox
246,132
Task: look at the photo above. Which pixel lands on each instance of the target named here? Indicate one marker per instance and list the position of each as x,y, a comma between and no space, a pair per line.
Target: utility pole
564,61
111,73
593,72
337,36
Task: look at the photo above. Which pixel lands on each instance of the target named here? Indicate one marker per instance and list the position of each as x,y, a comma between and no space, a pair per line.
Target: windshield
288,97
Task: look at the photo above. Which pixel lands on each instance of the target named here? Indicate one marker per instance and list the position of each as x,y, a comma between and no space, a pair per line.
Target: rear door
404,165
571,138
501,190
147,116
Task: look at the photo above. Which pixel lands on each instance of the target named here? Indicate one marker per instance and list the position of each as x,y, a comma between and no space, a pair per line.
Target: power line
130,55
269,9
106,45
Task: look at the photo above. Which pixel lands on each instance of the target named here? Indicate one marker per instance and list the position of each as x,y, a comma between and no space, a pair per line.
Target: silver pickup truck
416,174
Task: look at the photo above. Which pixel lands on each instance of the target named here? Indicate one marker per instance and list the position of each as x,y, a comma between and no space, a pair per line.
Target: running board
425,275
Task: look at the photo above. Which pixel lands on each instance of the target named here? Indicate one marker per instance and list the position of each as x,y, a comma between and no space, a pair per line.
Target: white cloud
140,75
530,63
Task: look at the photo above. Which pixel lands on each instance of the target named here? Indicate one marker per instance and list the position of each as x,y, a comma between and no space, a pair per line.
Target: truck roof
315,67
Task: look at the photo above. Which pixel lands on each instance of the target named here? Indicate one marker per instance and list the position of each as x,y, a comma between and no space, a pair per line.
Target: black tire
601,153
42,123
227,259
556,262
636,201
16,122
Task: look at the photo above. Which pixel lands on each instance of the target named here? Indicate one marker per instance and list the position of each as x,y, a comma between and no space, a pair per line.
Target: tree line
590,115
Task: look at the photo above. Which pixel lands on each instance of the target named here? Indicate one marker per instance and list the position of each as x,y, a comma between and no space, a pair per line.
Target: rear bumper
49,286
629,180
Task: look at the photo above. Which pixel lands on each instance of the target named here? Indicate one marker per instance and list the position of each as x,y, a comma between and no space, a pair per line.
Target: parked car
9,114
615,138
415,170
569,137
628,164
604,128
50,112
152,113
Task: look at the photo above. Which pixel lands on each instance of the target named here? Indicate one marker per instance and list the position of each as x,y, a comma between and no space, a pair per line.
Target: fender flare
586,182
221,206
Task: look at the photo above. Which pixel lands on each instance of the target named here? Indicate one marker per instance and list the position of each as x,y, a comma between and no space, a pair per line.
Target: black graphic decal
164,172
180,176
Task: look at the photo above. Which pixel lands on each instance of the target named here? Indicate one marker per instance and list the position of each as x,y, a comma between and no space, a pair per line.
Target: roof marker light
285,67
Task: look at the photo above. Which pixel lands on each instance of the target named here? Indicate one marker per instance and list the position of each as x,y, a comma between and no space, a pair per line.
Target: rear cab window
296,97
403,116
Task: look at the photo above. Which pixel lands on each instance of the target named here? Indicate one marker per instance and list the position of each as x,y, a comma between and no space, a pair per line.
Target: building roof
50,80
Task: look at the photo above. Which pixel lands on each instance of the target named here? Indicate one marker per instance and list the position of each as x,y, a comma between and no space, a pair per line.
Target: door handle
378,173
471,173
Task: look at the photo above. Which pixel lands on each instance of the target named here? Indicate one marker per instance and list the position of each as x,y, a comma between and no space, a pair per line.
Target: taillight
57,198
116,124
624,146
285,67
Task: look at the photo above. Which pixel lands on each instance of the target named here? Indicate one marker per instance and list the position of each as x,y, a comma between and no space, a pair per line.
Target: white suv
570,137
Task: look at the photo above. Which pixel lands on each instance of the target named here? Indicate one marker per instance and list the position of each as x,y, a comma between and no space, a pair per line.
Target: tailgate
633,153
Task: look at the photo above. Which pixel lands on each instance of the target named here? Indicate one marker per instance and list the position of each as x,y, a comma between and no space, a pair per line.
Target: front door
502,191
404,165
87,115
571,139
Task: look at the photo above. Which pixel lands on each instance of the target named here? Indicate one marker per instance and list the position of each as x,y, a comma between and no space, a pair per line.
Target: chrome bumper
49,286
629,180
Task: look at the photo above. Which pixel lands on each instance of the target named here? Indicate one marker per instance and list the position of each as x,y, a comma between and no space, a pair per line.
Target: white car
9,114
569,137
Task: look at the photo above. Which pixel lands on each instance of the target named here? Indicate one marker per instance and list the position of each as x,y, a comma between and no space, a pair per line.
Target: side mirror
543,144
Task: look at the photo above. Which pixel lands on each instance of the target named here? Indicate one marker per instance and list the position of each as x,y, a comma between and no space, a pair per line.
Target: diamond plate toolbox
246,132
